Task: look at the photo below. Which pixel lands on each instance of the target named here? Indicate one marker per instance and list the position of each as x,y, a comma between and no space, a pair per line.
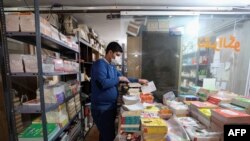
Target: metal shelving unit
40,41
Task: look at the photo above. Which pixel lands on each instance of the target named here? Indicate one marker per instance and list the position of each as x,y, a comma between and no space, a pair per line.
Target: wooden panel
134,57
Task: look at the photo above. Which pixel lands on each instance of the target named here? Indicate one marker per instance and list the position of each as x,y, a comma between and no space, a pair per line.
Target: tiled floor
93,134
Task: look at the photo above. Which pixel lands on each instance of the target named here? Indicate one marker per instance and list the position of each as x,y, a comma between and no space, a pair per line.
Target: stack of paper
189,122
134,85
130,99
178,108
154,129
134,91
220,117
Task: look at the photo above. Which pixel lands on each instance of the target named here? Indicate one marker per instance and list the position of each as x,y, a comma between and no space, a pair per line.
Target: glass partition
176,52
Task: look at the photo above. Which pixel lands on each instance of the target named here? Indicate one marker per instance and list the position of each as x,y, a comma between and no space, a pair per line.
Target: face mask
115,61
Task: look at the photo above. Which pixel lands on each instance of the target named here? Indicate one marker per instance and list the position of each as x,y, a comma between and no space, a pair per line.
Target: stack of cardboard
154,129
221,117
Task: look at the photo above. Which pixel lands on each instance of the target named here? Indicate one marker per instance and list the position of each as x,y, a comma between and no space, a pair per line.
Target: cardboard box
16,63
12,22
30,63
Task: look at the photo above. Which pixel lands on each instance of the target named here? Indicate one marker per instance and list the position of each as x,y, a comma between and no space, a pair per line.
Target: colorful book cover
35,131
199,104
154,126
233,107
206,112
227,113
241,101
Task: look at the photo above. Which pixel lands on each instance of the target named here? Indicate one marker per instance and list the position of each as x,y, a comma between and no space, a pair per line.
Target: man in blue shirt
104,81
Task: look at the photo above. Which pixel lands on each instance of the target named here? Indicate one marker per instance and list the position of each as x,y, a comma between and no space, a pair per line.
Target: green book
35,132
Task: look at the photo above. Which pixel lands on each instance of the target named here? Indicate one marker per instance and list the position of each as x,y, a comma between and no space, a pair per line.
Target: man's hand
143,81
123,79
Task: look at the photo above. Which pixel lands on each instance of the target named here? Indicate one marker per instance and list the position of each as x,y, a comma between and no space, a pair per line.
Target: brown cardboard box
16,63
12,22
30,63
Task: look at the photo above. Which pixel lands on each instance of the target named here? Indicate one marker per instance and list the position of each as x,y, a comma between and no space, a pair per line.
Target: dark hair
114,47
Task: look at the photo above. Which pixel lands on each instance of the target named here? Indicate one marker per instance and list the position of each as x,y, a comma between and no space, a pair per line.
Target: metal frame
5,69
7,78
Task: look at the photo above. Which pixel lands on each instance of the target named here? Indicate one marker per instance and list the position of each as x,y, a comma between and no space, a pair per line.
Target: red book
198,104
228,116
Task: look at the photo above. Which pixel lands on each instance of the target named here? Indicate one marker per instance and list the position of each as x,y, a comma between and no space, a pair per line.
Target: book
232,107
228,116
203,134
188,98
134,85
205,112
153,126
217,100
35,132
241,101
198,104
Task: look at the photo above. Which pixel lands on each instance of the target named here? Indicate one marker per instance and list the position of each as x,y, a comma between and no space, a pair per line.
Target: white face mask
116,60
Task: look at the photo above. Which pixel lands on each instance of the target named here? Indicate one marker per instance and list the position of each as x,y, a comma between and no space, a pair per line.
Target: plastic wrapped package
67,67
48,65
16,63
59,116
203,134
53,94
58,65
30,63
175,131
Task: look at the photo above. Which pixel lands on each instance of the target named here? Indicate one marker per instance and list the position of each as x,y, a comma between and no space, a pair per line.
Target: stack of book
221,97
35,132
18,116
154,129
78,102
232,107
242,102
204,116
188,98
196,105
221,117
203,134
129,121
178,108
71,108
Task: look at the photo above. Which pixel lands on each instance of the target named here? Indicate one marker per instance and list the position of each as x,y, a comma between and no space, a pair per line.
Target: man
104,82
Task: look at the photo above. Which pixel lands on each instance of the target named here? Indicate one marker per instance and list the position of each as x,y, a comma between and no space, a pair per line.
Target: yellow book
206,112
153,126
152,109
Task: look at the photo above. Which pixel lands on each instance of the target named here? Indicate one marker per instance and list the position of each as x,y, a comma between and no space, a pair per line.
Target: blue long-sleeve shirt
104,81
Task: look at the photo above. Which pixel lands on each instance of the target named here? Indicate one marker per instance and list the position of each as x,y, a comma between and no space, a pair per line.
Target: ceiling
14,3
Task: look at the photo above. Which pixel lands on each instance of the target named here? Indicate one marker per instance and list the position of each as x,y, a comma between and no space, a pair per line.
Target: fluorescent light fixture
157,13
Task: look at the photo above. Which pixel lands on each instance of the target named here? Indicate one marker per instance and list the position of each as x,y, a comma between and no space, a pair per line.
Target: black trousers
105,122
